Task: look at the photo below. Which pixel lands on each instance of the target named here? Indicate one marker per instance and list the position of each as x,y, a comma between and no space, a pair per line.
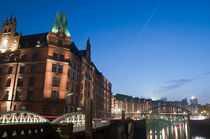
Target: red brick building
47,74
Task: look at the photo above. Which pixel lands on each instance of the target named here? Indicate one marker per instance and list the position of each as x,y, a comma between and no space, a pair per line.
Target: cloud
174,84
171,86
205,74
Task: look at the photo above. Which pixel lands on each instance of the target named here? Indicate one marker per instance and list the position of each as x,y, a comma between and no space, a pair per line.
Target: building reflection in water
172,131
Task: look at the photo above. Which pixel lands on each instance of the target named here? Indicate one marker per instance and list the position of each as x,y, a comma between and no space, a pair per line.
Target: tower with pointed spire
88,51
59,33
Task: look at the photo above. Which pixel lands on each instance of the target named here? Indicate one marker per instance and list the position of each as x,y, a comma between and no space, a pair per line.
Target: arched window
9,30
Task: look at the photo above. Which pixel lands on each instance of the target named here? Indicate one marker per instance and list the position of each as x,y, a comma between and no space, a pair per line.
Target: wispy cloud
205,74
174,84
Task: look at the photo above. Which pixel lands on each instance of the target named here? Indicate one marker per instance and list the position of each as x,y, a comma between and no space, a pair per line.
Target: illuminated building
46,74
133,107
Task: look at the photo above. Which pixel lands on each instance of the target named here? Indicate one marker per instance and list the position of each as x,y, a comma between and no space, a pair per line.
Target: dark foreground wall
200,128
140,129
118,129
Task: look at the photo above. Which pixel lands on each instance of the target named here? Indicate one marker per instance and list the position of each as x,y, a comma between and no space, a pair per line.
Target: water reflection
158,129
166,130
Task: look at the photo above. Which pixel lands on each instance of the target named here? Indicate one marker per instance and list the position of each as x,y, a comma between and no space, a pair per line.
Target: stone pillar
88,119
123,114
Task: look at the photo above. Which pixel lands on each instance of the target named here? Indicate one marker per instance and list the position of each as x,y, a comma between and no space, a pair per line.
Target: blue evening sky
145,48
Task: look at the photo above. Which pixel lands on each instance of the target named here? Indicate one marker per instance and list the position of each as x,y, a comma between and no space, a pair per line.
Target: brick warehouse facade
46,74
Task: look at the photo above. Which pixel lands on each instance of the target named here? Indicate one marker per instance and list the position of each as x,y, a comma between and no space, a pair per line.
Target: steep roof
61,23
30,41
123,97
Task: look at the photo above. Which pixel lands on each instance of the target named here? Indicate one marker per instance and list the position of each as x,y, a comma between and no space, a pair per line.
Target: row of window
55,57
18,96
73,89
10,69
60,68
73,76
23,58
20,82
71,63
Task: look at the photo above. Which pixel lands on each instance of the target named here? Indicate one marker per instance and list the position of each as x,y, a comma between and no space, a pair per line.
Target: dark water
159,129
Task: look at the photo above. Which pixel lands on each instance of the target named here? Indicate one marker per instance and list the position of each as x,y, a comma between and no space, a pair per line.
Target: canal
164,128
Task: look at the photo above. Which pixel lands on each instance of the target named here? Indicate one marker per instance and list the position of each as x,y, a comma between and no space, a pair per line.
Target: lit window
54,67
10,70
60,68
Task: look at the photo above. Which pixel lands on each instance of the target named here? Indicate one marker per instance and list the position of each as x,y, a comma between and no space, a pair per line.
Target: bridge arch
155,109
17,117
77,118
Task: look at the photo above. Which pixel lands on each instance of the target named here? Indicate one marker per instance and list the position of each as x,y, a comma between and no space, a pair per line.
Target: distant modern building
194,105
46,74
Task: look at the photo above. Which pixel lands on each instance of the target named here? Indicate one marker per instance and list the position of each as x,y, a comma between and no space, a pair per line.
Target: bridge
25,124
27,117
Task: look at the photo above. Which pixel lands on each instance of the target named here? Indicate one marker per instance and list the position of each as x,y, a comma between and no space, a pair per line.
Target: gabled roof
30,41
